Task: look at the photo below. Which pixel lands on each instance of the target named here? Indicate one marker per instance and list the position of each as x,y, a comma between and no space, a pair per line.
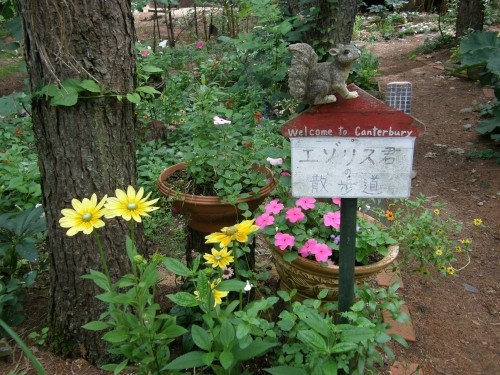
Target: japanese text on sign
352,167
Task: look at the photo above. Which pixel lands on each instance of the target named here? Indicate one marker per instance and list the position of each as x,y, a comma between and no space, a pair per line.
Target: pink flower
264,220
294,214
285,173
321,252
274,207
306,249
227,273
336,201
273,161
332,219
199,44
305,203
283,240
144,53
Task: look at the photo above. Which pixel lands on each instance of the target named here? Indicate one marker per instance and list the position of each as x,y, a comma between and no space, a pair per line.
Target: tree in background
326,22
84,145
470,15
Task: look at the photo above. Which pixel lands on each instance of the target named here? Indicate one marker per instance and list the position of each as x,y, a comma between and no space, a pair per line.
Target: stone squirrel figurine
311,82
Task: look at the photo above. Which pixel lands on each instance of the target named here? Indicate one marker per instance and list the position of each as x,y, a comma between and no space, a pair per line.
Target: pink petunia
144,53
294,214
264,220
306,249
332,219
336,201
199,44
274,207
321,252
283,240
285,173
305,203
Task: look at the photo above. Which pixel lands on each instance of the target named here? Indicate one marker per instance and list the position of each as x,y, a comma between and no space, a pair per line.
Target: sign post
357,148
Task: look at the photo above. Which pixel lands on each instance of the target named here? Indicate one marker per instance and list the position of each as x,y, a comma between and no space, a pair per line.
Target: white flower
248,287
273,161
220,121
163,43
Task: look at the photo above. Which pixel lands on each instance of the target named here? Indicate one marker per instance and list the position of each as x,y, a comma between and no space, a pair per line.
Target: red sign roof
364,116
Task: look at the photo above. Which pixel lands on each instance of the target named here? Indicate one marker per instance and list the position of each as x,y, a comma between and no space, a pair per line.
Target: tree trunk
83,149
333,23
470,15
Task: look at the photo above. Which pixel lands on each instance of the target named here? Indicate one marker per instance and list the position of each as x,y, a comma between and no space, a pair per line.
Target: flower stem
103,258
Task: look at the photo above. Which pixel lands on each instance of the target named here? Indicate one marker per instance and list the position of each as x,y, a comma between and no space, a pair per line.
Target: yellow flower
478,222
238,232
220,258
130,205
85,215
438,252
436,211
217,294
465,241
450,270
458,249
389,215
442,268
423,271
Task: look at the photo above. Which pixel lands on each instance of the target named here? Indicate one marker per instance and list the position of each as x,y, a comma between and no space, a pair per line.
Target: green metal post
348,213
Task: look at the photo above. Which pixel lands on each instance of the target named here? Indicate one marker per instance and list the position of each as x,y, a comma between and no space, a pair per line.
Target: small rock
467,126
480,203
452,88
470,288
413,174
456,150
431,155
466,110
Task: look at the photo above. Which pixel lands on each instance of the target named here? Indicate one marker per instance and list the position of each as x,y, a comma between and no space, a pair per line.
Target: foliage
315,344
19,234
427,237
39,338
365,70
484,154
482,49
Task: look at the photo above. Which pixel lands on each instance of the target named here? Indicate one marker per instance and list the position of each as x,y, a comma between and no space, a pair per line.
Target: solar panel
399,96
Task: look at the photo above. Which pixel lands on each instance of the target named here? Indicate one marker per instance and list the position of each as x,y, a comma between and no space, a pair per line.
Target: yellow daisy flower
217,294
438,252
389,215
238,232
450,270
465,241
478,222
130,205
458,249
84,217
218,258
436,211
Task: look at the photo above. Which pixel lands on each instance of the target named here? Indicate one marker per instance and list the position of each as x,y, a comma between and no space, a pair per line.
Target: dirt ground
456,319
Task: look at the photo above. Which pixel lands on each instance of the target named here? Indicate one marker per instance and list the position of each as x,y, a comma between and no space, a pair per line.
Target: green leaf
96,326
226,359
147,90
89,85
312,339
355,334
176,266
116,336
201,337
254,350
67,99
184,299
134,98
231,285
120,366
343,347
151,69
285,370
186,361
208,358
227,334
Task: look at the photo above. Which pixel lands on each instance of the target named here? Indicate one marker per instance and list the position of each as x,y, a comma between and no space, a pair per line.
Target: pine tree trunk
83,149
470,15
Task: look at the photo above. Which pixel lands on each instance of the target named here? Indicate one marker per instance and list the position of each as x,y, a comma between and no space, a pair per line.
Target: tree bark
83,149
333,24
470,15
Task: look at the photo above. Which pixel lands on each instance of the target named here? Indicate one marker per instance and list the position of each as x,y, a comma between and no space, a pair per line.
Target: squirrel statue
311,82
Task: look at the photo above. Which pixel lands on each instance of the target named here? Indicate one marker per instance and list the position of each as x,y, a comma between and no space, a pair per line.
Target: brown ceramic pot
206,213
309,277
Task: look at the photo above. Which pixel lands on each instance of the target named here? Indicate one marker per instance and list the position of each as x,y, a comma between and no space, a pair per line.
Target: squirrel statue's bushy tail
303,61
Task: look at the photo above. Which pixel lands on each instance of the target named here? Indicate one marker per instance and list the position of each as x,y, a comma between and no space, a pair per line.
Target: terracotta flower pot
309,277
206,213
